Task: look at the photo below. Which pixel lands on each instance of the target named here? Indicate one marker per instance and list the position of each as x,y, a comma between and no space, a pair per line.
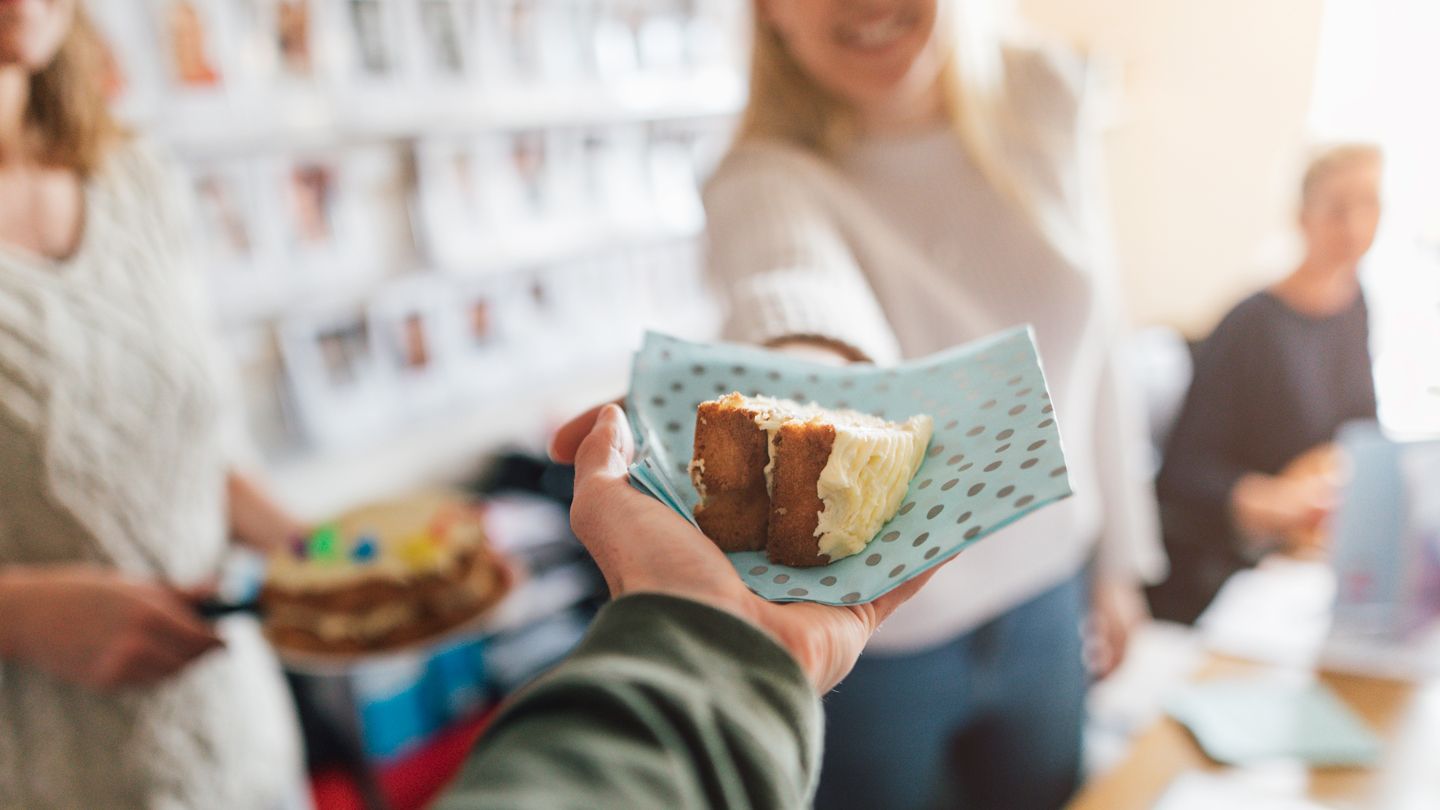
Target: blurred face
31,31
867,53
1341,216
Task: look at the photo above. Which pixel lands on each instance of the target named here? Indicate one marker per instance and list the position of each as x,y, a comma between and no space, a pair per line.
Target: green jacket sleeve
666,703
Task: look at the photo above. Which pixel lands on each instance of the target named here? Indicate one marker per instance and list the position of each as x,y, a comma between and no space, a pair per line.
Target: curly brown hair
68,114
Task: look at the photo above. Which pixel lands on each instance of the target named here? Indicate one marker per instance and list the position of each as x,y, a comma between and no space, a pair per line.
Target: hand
642,546
1267,506
99,629
1325,460
1323,470
817,350
1117,609
256,519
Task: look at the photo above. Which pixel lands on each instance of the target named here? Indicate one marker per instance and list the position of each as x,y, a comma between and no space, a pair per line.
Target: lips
876,34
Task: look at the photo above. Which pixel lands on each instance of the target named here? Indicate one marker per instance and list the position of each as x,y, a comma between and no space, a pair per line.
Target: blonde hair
787,104
1329,160
68,114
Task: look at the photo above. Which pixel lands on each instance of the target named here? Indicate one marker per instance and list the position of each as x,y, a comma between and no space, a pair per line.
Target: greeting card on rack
292,36
341,391
226,209
447,32
454,213
331,209
192,40
262,390
374,39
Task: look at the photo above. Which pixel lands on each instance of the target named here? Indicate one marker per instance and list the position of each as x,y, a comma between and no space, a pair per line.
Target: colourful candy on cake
382,576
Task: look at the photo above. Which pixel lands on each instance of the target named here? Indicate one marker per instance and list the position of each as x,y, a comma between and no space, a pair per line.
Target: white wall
1203,158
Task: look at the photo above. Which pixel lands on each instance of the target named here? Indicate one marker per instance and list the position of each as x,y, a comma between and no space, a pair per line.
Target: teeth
877,34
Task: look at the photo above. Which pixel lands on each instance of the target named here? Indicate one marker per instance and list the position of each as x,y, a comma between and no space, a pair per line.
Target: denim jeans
992,719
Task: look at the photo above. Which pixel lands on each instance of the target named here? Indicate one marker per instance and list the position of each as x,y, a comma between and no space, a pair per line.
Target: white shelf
536,245
440,450
541,243
309,117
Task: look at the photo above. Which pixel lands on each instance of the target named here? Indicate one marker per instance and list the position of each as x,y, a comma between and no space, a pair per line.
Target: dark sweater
1270,383
667,704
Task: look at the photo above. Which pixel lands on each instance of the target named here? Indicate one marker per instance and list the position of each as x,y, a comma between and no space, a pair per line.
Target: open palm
641,545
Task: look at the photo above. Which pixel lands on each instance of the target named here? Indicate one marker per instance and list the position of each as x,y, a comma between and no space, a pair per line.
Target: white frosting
697,477
865,479
867,475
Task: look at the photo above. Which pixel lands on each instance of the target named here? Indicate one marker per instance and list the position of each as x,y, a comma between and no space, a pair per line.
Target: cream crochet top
113,452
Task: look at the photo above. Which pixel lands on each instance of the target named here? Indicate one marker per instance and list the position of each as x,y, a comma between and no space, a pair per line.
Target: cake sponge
809,485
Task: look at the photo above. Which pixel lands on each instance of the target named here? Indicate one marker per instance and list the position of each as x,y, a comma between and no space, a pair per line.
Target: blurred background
424,220
433,230
433,227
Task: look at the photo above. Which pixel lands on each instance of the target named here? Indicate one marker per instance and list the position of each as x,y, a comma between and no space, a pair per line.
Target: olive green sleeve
666,703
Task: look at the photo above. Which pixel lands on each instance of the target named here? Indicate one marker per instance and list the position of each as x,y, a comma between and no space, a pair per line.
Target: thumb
887,604
601,463
604,456
601,470
197,592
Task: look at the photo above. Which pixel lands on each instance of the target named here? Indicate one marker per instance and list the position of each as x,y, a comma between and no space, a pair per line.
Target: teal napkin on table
1240,721
995,455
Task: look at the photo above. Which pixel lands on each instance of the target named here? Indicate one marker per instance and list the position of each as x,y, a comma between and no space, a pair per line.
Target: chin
32,60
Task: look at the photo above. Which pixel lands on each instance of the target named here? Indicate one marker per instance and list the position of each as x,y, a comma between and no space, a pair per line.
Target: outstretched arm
689,691
667,703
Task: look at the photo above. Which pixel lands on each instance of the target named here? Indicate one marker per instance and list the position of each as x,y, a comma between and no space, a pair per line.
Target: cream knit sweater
901,249
113,452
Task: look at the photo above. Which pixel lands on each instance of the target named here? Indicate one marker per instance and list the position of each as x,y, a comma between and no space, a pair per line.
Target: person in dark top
1249,467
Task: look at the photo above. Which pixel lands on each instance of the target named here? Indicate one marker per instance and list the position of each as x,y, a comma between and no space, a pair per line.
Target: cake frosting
865,480
867,466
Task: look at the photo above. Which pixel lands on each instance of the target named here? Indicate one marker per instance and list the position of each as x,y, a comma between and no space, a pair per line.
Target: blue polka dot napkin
995,456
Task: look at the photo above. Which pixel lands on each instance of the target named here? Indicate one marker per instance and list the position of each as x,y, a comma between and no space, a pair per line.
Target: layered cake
805,484
383,576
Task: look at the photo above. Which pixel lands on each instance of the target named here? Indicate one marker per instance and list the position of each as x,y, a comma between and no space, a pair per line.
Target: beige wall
1208,138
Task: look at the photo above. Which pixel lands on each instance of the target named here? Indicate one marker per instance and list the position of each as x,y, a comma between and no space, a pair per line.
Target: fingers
887,604
144,661
1105,649
199,592
148,654
188,637
566,441
172,622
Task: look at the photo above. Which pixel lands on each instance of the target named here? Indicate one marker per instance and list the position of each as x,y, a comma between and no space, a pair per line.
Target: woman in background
1248,469
901,183
117,495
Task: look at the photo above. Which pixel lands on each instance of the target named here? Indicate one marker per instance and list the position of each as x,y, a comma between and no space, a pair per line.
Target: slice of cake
806,484
382,576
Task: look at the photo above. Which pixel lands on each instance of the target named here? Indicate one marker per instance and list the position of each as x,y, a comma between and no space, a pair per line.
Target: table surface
1406,716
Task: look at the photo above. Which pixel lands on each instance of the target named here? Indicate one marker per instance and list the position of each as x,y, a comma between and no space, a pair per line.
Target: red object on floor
411,782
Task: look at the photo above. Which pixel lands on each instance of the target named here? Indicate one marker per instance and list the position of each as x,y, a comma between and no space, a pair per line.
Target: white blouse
113,452
902,249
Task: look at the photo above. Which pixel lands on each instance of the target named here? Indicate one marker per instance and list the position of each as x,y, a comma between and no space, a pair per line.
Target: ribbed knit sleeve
781,262
667,703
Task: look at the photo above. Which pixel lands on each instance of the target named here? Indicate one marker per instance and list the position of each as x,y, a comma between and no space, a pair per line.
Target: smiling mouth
877,34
